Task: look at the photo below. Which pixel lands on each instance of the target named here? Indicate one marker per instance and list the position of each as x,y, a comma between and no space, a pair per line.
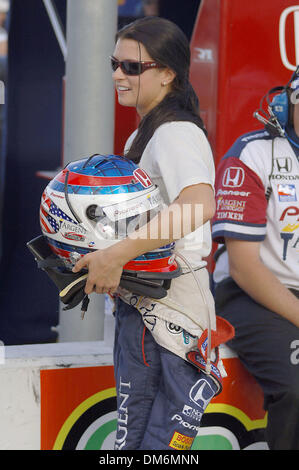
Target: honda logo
201,393
233,177
142,177
294,10
284,164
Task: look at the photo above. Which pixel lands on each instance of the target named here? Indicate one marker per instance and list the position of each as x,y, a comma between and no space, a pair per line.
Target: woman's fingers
103,276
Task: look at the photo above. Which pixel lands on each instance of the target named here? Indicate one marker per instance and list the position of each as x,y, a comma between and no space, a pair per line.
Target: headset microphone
273,127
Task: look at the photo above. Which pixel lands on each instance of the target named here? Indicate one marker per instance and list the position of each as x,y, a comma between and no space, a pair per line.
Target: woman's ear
168,75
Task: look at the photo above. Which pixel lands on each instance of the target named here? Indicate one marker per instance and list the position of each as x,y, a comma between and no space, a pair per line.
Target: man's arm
249,272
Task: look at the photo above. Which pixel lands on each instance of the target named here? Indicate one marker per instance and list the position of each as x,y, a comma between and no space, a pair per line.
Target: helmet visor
117,221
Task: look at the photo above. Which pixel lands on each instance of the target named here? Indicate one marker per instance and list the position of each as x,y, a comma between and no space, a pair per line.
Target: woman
161,396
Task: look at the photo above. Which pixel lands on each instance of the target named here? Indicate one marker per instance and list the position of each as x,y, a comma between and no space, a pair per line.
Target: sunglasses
133,68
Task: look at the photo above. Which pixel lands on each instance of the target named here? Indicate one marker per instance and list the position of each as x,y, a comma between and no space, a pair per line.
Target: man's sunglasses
133,68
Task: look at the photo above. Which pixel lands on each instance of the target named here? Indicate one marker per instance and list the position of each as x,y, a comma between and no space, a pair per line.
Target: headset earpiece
279,106
280,113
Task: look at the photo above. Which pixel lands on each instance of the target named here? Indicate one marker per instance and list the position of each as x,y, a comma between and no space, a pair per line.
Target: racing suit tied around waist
195,337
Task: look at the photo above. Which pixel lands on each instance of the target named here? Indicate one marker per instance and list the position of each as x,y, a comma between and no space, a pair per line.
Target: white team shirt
179,155
254,162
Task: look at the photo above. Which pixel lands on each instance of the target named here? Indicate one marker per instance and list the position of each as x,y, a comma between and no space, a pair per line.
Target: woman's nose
117,74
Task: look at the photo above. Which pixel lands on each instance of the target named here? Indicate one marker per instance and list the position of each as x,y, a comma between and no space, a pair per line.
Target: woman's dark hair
166,44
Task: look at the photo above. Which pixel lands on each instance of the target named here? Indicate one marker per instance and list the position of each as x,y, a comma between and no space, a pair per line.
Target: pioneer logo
233,177
292,11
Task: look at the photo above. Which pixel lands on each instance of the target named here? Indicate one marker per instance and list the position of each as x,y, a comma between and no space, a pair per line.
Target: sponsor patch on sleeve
241,204
286,192
180,441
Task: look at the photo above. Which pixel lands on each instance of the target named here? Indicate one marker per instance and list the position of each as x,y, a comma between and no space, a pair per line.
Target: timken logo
233,177
285,16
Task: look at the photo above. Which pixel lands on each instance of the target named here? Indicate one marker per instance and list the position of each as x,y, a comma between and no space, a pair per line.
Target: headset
280,108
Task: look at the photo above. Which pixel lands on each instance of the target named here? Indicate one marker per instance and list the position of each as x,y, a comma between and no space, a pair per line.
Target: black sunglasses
133,68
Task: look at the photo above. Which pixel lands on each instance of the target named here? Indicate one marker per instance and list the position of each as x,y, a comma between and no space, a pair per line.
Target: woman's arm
249,272
194,206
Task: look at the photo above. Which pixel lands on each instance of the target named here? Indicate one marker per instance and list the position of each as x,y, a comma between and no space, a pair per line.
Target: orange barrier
78,410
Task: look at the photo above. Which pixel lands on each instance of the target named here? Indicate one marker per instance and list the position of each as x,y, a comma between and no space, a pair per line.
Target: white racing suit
161,395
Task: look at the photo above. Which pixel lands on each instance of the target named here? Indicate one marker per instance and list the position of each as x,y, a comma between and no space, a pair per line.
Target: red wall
239,50
238,54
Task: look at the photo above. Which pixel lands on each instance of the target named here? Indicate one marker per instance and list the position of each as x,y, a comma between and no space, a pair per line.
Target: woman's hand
104,272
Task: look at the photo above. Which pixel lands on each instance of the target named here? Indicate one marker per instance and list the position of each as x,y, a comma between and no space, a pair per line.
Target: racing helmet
97,201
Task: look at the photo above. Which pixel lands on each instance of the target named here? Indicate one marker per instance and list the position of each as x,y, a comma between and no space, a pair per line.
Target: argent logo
293,10
122,415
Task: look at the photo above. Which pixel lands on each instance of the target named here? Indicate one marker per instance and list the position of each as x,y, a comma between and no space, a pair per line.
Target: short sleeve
182,157
240,203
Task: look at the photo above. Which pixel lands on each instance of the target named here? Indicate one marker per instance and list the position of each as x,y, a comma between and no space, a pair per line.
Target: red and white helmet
96,202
